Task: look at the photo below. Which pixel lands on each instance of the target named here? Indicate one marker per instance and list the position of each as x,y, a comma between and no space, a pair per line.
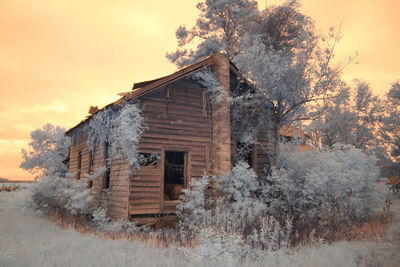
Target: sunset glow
57,58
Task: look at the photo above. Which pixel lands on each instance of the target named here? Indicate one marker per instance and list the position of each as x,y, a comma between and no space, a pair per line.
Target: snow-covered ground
29,239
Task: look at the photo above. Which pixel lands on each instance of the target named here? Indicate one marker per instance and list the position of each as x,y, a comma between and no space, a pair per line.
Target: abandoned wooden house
190,134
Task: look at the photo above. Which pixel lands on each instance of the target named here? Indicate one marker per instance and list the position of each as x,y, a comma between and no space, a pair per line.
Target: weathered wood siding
177,119
116,196
74,149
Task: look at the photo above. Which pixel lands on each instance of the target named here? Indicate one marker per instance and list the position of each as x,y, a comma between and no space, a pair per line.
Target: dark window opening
79,164
174,174
91,167
245,153
107,174
106,180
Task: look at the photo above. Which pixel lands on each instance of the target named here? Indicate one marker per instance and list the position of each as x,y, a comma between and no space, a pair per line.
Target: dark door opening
174,174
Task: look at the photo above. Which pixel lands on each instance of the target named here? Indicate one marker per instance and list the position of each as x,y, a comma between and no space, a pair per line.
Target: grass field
27,238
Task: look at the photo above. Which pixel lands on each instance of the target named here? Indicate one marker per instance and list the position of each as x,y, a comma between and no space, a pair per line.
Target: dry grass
29,239
331,231
67,221
374,230
83,224
164,230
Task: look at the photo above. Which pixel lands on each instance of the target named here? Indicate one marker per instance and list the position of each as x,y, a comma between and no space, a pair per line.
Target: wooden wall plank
182,126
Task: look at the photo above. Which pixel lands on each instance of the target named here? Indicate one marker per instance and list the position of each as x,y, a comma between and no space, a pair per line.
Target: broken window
148,160
174,174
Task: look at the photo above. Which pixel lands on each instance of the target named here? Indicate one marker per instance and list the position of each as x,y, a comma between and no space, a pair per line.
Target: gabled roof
142,88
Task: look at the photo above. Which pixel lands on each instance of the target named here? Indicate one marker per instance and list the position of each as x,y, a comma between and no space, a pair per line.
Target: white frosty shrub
215,245
238,187
340,182
78,197
208,80
271,235
62,193
99,217
238,207
104,224
193,209
326,187
233,225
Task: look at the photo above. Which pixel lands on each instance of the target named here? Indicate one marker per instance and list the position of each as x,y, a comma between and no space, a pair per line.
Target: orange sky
58,57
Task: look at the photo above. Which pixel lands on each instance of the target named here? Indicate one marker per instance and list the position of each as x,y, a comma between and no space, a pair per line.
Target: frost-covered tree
279,52
290,86
222,24
390,128
391,123
353,118
48,151
220,27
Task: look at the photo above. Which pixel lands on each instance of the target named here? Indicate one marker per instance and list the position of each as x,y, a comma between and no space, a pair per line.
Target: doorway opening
174,174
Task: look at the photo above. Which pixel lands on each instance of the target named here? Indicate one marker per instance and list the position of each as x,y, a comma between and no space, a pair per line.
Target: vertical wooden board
162,173
204,95
143,184
207,157
187,173
127,198
189,168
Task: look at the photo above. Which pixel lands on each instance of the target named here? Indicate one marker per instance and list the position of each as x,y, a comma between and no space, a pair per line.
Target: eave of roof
142,84
151,85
